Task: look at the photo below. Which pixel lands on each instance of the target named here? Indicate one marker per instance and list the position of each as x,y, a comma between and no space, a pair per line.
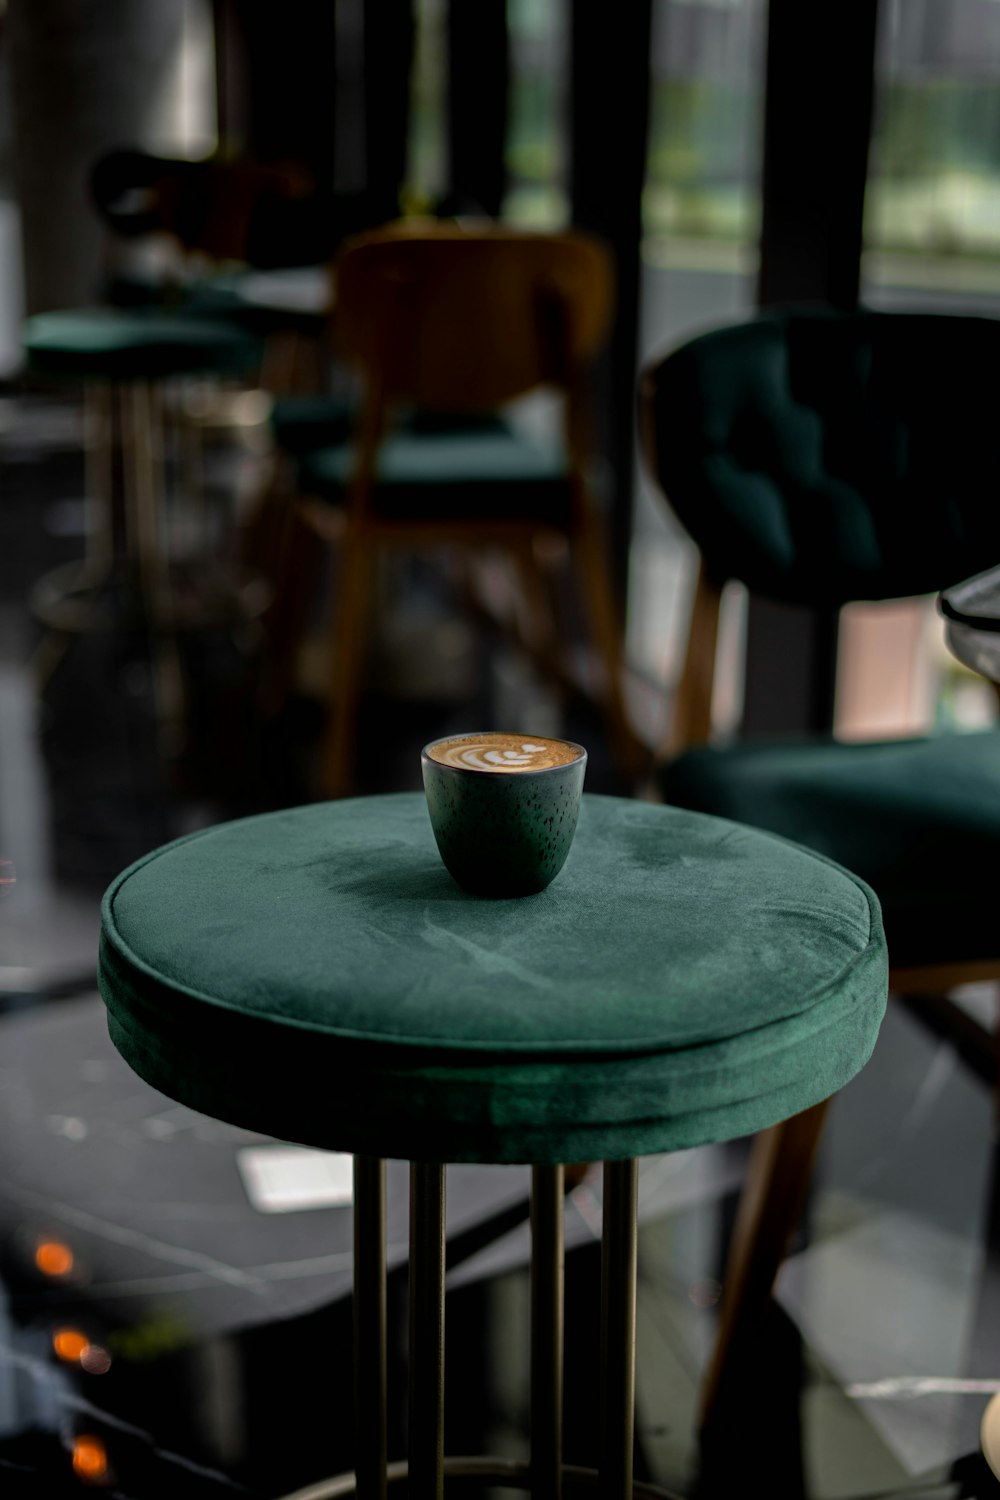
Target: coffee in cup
503,808
503,753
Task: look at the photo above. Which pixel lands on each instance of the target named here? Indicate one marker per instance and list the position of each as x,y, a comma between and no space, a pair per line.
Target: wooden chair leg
770,1205
599,606
293,572
542,634
348,641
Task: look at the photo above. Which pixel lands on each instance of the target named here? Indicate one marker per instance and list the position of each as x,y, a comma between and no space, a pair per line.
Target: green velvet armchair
821,458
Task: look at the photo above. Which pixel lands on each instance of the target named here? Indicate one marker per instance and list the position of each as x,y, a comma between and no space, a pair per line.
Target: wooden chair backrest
454,318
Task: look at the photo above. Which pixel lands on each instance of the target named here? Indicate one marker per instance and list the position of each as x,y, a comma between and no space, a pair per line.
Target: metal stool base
426,1468
505,1473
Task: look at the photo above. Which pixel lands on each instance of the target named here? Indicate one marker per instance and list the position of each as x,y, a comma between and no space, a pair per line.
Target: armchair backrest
822,457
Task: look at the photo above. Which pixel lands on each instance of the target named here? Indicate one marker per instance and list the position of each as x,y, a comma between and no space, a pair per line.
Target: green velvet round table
316,974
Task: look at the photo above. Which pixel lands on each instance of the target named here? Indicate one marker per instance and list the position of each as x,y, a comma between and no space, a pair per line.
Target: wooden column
478,76
609,118
291,68
817,127
388,64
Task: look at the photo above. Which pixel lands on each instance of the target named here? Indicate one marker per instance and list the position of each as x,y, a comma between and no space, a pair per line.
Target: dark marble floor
174,1292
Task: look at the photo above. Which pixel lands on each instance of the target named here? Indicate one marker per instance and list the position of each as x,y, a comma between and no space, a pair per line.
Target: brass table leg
547,1256
426,1354
369,1327
546,1477
618,1287
98,461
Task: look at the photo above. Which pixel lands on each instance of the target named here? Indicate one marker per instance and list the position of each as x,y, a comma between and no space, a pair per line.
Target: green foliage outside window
934,168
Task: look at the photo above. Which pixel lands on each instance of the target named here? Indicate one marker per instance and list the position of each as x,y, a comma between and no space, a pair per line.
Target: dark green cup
506,830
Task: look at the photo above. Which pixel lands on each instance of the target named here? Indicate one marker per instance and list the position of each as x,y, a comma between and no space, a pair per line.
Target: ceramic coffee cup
503,808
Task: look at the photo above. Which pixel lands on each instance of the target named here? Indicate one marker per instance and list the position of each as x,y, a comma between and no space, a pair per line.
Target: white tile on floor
893,1298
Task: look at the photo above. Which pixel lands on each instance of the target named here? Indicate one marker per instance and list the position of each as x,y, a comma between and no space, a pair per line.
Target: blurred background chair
247,240
445,326
134,576
820,459
170,355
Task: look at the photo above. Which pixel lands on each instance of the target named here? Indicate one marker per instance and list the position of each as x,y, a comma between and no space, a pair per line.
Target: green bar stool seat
111,344
317,975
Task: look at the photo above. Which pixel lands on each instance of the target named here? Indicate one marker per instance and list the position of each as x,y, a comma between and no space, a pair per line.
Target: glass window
538,114
427,151
932,211
705,102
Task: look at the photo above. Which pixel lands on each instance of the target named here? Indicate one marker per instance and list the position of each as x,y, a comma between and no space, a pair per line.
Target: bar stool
316,974
127,578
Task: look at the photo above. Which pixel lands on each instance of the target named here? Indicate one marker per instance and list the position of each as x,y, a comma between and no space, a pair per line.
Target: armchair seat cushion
918,820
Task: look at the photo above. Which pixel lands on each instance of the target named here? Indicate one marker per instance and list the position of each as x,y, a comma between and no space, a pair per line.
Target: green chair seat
919,820
316,974
452,472
303,424
109,343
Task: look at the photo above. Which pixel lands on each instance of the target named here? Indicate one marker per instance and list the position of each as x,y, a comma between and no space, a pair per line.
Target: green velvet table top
316,974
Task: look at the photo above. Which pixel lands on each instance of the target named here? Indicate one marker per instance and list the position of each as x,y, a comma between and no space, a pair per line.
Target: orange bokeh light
90,1458
70,1344
54,1258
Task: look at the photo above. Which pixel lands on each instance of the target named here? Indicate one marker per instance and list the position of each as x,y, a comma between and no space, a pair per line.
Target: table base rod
501,1473
369,1328
98,468
618,1289
547,1260
144,496
426,1354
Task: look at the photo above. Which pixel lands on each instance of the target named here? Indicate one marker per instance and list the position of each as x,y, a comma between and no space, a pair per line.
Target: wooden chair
453,323
821,458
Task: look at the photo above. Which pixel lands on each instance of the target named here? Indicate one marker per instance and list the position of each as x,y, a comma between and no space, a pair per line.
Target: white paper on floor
882,1304
285,1179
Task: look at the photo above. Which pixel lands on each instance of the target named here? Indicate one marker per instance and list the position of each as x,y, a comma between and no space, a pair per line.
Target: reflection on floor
174,1292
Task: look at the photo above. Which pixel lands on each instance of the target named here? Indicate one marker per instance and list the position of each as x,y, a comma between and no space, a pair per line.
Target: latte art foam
503,752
